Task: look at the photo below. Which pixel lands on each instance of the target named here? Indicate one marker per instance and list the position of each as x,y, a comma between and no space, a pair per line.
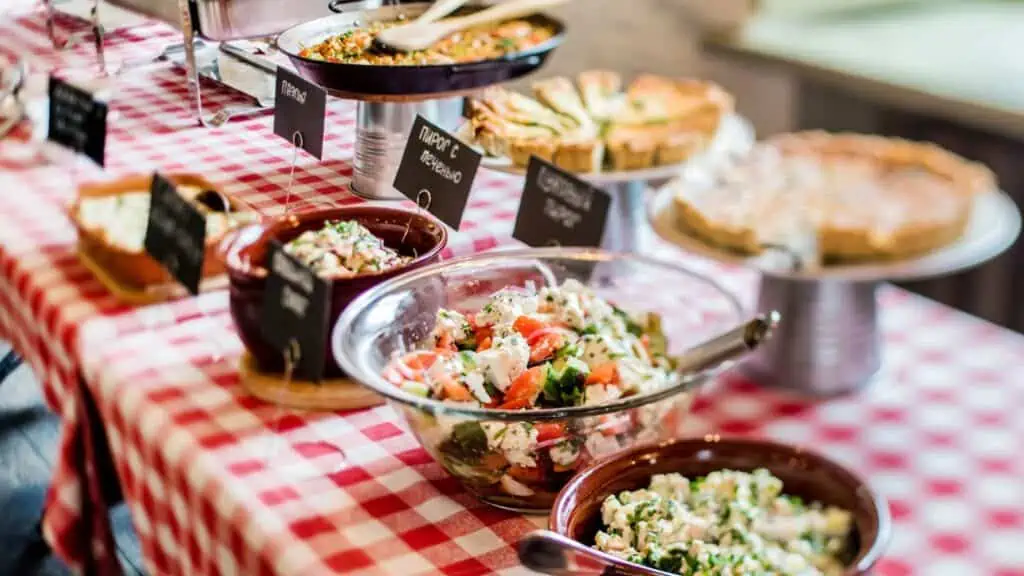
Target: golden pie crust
836,197
594,125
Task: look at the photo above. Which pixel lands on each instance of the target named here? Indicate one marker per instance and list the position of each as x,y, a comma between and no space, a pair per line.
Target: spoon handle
504,11
728,346
438,10
550,553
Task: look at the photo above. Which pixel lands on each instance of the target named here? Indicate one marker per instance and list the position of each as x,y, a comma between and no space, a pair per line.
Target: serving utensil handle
438,10
504,11
551,553
728,346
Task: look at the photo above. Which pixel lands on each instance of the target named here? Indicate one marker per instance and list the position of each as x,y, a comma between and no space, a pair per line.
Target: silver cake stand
828,342
627,226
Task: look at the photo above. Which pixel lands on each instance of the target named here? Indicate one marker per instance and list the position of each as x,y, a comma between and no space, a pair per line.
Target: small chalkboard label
299,110
176,234
295,311
77,120
440,164
558,209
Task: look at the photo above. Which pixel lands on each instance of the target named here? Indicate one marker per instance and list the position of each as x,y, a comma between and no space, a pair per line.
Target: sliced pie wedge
522,109
601,92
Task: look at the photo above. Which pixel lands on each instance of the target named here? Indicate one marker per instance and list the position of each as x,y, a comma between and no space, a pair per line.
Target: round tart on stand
619,137
825,218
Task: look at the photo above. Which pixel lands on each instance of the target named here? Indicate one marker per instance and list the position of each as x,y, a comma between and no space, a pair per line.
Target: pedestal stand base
382,129
828,340
626,228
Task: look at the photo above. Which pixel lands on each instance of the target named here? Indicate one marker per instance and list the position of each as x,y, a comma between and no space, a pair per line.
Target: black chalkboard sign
558,209
77,120
296,303
176,234
299,107
440,164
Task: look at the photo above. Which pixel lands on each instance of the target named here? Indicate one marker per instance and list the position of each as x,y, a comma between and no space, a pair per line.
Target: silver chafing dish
233,19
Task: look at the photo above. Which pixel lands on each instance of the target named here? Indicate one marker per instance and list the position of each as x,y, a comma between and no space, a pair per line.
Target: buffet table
938,433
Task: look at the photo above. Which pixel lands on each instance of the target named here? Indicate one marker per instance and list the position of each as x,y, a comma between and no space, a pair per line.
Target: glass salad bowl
520,458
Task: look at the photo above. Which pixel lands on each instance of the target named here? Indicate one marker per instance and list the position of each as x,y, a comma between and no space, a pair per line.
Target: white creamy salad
727,523
343,249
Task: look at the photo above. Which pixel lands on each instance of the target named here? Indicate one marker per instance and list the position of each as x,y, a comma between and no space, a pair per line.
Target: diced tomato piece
528,474
549,431
527,325
523,391
454,390
493,461
420,360
645,340
392,375
484,337
613,424
445,342
484,344
607,373
544,348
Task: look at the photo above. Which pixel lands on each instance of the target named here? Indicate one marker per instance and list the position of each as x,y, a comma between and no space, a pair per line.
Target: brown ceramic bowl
244,253
577,510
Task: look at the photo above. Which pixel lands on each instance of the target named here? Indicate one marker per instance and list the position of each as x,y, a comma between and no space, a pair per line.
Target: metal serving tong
722,351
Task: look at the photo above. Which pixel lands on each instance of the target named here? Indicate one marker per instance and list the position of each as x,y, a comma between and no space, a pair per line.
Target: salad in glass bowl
514,369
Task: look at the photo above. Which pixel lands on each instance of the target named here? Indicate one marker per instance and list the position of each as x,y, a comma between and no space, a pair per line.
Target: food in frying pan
836,197
559,346
594,125
727,522
474,44
342,250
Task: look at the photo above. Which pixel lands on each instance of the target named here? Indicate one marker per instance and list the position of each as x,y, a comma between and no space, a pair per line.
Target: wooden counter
960,61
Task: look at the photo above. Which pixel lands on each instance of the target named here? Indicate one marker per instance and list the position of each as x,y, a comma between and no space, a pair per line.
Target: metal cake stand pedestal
626,228
828,341
382,129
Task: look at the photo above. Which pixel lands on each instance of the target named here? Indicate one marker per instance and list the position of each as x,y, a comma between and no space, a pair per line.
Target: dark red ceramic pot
577,509
244,253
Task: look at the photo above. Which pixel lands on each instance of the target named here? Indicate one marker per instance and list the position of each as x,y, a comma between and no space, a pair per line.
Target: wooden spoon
417,36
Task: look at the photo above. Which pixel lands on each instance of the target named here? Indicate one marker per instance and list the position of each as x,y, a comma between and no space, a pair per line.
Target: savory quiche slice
601,92
522,109
561,96
581,150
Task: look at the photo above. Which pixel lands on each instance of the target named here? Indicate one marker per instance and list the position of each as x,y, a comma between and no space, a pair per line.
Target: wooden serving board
328,395
150,294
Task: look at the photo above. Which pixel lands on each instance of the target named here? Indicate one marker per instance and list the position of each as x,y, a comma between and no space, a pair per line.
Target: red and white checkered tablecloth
210,492
938,433
51,306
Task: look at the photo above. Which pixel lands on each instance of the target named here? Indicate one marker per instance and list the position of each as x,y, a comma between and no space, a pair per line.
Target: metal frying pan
364,80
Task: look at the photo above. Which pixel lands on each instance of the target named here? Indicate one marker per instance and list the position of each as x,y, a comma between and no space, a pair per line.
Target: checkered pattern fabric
220,483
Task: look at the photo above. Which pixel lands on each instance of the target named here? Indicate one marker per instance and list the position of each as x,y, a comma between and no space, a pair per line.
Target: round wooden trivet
328,395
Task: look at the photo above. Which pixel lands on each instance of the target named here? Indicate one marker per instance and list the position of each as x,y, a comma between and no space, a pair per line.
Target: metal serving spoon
550,553
722,351
420,36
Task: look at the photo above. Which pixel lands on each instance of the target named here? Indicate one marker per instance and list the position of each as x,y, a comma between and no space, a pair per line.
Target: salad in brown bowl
356,247
718,506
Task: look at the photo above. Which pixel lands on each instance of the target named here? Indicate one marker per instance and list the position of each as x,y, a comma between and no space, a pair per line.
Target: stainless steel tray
233,19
